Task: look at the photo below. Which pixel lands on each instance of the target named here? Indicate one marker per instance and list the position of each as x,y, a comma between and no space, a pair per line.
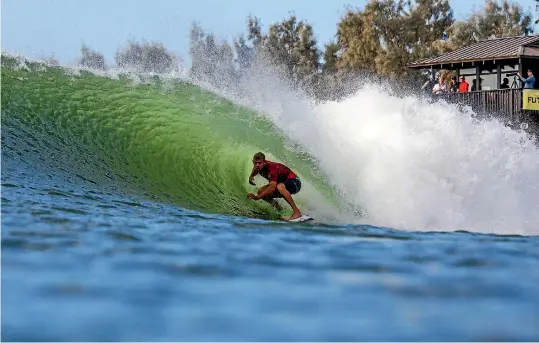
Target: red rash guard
277,172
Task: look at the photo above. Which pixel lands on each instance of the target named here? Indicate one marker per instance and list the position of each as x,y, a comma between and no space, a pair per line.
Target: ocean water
125,216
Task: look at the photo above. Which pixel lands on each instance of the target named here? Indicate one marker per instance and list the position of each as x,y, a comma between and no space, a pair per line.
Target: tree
501,20
255,31
146,57
247,49
212,61
91,59
461,33
196,50
388,34
426,25
496,20
290,47
244,53
292,44
306,52
331,57
358,41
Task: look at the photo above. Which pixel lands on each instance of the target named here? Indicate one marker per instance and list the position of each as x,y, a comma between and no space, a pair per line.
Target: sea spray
405,162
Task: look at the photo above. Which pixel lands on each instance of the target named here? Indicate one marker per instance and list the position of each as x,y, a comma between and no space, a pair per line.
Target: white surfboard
302,219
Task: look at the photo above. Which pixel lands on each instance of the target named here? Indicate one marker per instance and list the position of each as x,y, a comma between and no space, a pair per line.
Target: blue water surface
83,263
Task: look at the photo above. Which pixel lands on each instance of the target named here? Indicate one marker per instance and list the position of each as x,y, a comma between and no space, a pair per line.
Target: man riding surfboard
283,182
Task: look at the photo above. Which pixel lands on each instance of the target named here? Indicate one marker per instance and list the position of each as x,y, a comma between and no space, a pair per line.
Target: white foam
410,164
426,166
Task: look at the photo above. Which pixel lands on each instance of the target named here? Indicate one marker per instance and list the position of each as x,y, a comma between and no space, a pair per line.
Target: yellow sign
530,99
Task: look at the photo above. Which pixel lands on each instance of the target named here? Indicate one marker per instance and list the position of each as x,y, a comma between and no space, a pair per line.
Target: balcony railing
505,104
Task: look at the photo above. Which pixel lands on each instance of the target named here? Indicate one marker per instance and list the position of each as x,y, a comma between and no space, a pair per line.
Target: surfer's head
259,161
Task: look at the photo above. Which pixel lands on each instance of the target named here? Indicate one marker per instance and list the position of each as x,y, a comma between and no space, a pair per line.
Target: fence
505,104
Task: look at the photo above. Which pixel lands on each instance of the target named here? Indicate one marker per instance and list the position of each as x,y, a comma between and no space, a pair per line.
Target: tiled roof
491,49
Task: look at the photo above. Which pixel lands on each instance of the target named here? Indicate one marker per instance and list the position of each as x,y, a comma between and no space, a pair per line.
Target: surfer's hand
251,181
252,196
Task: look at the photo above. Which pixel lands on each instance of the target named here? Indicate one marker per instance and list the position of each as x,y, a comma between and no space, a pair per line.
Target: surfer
283,182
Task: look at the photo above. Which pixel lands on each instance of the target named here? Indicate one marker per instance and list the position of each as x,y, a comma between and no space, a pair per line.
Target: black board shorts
292,185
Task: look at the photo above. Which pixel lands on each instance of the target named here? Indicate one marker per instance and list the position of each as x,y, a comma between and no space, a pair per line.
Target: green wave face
170,141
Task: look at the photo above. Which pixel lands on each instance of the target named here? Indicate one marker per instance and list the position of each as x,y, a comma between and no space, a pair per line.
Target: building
491,61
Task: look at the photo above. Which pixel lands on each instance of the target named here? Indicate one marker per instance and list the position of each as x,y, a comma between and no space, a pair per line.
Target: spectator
439,87
474,85
463,85
454,85
530,81
505,83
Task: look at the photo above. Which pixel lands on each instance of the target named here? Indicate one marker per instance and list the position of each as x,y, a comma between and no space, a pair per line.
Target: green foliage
388,34
244,53
255,31
358,40
146,57
289,45
379,39
91,59
501,19
213,61
292,44
497,19
331,57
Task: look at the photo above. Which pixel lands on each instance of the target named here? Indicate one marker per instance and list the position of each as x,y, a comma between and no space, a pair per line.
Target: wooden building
491,61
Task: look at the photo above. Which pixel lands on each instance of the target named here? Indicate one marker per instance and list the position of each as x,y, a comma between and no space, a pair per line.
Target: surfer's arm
267,191
252,176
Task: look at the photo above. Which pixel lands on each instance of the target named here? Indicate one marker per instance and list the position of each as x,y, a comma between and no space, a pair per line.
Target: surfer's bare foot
294,215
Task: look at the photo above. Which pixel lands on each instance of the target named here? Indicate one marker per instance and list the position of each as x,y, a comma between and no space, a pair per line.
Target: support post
498,76
521,115
477,77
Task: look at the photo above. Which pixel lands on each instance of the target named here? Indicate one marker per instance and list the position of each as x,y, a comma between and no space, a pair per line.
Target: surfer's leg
281,188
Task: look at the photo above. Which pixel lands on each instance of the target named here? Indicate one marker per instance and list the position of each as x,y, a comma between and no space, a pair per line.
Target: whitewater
406,162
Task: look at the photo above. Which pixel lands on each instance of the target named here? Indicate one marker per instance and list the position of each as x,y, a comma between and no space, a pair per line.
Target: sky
58,28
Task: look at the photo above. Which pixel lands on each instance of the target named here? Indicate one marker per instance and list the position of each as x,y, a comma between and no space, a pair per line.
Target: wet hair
259,156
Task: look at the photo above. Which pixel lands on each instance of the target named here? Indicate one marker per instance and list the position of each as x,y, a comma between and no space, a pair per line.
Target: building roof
490,49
